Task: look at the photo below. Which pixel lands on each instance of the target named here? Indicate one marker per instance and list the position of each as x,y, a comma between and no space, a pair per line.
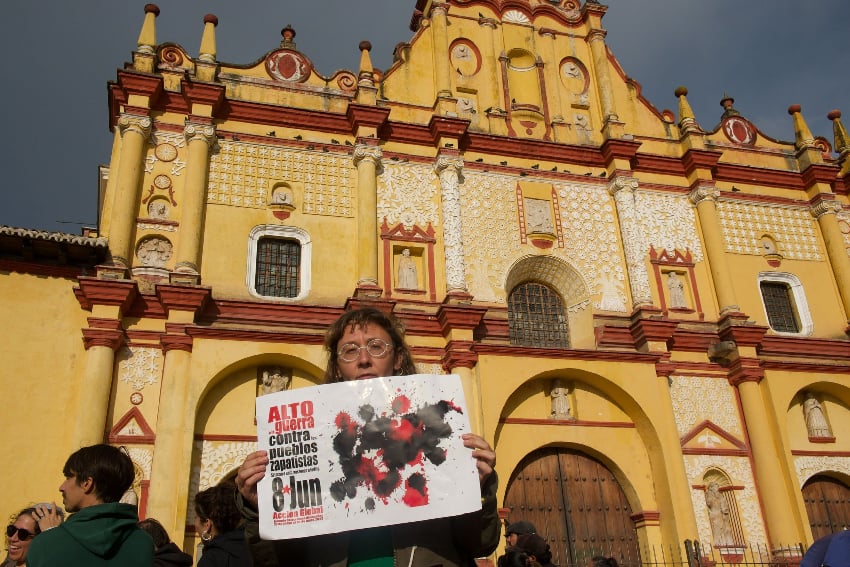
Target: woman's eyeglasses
23,534
377,348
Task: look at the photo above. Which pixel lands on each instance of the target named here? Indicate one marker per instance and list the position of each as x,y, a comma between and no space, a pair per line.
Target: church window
278,262
536,317
785,303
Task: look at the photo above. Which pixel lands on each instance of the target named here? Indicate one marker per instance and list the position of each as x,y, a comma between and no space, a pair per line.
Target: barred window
536,317
278,262
779,305
278,267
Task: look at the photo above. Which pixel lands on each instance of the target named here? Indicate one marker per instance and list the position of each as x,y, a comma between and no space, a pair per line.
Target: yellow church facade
649,314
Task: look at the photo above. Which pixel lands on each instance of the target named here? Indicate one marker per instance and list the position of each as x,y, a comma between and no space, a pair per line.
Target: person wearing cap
517,529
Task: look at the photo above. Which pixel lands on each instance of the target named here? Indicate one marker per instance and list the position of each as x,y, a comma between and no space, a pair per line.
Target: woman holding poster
364,344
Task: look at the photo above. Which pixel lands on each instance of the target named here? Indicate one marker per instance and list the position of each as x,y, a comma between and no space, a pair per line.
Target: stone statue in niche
676,288
154,251
612,297
719,515
465,104
816,423
461,52
560,401
538,216
273,379
282,196
407,277
572,70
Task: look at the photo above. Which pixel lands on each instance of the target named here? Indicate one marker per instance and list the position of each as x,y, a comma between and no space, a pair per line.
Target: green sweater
105,534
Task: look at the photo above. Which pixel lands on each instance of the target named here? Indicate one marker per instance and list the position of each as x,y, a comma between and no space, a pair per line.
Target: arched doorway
827,505
576,504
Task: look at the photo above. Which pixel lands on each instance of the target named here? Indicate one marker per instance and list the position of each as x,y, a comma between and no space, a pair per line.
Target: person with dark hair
536,548
515,557
516,529
600,561
166,553
218,521
101,530
368,343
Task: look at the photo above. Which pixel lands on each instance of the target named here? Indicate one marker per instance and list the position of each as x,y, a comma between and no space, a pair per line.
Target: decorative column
135,130
634,241
705,198
168,500
449,168
439,25
457,323
107,300
200,138
367,160
552,71
824,210
488,63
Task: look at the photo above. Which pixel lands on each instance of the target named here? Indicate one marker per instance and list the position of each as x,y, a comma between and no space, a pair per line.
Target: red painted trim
145,487
216,437
707,424
804,453
146,438
566,422
571,354
42,270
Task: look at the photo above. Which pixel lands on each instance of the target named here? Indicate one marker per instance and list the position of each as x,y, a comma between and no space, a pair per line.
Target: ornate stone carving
824,207
449,168
793,228
559,395
241,174
371,153
212,461
634,242
139,366
407,194
716,403
154,251
816,423
407,276
700,194
668,222
272,379
135,123
200,132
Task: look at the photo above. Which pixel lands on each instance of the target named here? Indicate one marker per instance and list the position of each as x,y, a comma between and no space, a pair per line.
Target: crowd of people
103,530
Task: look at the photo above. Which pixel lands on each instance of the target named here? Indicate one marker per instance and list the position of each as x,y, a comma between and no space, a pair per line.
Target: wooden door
827,505
576,504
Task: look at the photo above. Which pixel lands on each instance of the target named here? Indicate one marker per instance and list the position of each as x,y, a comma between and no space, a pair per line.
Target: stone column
634,241
705,198
825,212
596,38
367,160
489,67
102,339
200,138
442,67
552,70
449,170
167,500
135,131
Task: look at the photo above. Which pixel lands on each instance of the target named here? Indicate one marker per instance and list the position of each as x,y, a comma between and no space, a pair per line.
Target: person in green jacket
101,530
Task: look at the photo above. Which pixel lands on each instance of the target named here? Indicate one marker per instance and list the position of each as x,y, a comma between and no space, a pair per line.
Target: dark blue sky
58,57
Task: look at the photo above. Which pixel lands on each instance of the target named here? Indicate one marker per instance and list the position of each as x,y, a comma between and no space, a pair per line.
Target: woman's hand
47,516
484,455
253,469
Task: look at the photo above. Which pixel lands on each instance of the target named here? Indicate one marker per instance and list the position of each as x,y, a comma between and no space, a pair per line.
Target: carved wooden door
576,504
827,504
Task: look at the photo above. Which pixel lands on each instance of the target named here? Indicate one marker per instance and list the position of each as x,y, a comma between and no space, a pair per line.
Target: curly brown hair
218,504
358,319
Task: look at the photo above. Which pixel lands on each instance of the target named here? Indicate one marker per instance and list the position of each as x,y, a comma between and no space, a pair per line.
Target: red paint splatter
416,491
454,406
343,423
401,404
402,430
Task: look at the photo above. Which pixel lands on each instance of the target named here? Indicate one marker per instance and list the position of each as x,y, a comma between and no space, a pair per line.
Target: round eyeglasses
376,348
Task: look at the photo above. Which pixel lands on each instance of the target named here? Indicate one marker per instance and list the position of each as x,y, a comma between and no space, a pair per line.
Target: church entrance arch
827,505
576,504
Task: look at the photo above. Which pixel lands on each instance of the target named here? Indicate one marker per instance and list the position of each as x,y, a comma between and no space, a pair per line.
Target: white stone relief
142,458
154,251
241,174
139,366
807,467
668,222
407,194
492,242
449,170
715,402
215,460
743,225
740,474
634,240
843,218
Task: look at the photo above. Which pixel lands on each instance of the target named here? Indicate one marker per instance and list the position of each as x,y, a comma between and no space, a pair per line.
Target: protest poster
364,453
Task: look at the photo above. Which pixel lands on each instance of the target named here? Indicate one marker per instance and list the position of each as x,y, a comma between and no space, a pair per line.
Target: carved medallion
165,152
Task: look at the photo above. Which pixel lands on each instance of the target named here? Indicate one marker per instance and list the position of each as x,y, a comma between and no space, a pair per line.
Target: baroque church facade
649,315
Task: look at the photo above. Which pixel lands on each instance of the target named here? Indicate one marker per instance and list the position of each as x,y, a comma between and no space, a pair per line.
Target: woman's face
18,547
365,365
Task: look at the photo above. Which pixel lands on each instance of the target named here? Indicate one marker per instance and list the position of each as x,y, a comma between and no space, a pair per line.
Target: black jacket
169,555
226,550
